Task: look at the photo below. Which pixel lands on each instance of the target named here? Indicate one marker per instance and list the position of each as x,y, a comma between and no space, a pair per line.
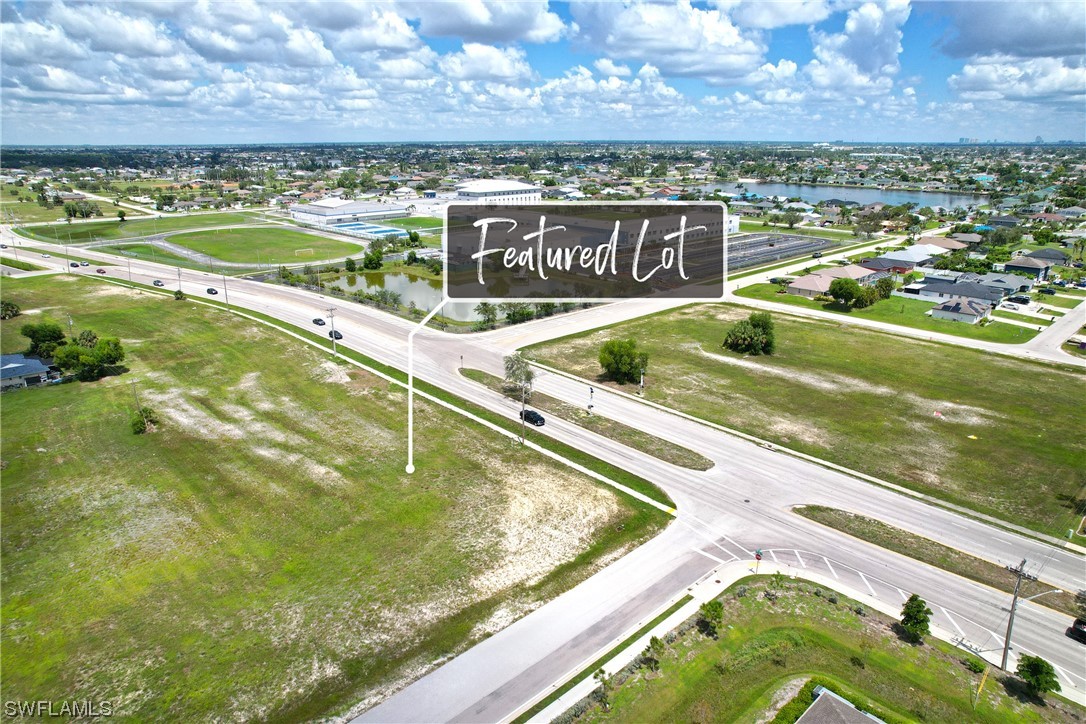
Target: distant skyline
732,70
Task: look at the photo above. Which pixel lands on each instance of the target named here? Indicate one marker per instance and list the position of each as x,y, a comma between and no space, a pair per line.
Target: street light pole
332,316
225,292
642,391
522,430
591,392
129,268
178,278
1020,574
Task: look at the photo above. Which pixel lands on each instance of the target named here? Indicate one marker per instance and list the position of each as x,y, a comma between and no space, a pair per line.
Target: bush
741,592
753,335
144,420
832,598
1038,674
178,295
621,361
975,665
860,610
9,310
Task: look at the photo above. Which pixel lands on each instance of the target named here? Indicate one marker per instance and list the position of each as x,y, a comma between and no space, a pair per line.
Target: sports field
265,245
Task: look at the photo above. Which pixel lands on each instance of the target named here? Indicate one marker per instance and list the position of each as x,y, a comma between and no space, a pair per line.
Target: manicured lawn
896,310
130,229
1035,321
150,253
1006,443
1055,300
262,554
766,645
20,264
265,245
413,222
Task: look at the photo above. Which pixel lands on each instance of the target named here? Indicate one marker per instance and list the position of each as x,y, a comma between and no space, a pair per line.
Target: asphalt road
742,503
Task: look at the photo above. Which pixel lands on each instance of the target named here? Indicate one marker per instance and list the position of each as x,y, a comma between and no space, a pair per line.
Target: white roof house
498,191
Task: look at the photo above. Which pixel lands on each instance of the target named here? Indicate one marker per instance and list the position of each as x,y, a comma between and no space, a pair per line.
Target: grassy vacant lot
268,245
769,646
755,226
662,449
261,554
1055,300
130,229
897,310
936,554
150,253
1035,321
1007,442
14,263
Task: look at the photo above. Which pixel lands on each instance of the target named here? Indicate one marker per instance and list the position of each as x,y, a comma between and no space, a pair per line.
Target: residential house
1005,282
890,266
948,290
810,285
1055,256
961,309
944,243
968,238
19,371
1028,266
1006,222
1072,212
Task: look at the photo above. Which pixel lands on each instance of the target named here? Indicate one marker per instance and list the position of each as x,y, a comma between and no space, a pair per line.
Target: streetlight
1020,572
178,278
226,293
642,392
129,260
591,392
332,316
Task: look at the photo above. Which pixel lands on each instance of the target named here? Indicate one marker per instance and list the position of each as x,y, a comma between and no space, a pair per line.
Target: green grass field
14,263
1055,300
265,245
766,646
132,229
897,310
866,400
262,554
413,222
21,203
150,253
1035,321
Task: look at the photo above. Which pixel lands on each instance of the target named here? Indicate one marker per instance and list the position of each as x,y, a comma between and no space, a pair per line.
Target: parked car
532,417
334,334
1008,305
319,322
158,283
212,290
1019,299
84,263
100,271
1048,291
1077,630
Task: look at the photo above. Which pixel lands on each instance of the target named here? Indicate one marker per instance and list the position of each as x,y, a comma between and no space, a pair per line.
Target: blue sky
244,71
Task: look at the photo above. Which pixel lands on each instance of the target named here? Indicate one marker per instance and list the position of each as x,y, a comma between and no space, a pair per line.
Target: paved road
743,502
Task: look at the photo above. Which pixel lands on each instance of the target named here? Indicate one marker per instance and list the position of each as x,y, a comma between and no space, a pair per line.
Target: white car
1008,305
45,256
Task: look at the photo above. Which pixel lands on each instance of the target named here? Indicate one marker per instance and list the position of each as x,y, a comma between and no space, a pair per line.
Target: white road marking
866,583
951,619
711,556
904,597
830,565
800,559
774,556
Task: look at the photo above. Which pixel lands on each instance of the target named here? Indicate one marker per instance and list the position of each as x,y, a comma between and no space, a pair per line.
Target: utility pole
642,392
226,293
522,429
69,325
178,278
129,268
591,392
1020,573
332,316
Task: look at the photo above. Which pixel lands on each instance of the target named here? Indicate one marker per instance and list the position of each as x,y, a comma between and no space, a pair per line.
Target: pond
812,194
425,293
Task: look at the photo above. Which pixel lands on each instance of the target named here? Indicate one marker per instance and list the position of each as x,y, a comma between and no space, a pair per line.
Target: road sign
758,554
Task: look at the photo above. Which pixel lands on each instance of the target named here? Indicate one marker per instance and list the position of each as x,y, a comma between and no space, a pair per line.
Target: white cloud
1002,77
379,29
679,39
1023,29
485,62
105,29
607,66
762,14
863,58
487,21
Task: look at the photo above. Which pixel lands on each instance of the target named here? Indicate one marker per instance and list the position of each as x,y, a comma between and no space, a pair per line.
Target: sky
249,71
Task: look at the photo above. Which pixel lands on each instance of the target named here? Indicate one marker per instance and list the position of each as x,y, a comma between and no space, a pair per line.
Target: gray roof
16,365
964,289
1054,254
961,305
829,708
1028,262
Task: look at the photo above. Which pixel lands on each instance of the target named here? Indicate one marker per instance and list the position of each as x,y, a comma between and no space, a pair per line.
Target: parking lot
753,249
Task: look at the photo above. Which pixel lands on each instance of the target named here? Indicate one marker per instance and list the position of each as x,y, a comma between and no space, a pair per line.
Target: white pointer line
411,386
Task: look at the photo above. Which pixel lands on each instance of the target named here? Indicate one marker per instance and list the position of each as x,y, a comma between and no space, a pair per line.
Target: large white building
327,212
497,191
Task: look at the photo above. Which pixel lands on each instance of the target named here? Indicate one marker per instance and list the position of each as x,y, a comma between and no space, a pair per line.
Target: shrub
741,592
621,361
832,598
860,610
144,420
975,665
9,310
178,295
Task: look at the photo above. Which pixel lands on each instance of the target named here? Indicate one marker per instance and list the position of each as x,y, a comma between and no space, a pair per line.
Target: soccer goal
303,252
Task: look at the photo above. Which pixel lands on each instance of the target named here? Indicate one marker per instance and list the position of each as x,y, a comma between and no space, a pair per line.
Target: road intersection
743,502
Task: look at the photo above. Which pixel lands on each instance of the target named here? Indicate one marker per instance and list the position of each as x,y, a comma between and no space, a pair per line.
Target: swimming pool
374,230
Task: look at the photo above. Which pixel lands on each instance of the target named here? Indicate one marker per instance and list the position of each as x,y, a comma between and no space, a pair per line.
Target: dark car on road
318,321
158,283
212,290
74,263
100,271
532,417
1077,630
334,334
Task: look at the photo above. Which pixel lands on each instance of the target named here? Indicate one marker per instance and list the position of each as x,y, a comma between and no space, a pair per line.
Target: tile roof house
944,243
810,285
